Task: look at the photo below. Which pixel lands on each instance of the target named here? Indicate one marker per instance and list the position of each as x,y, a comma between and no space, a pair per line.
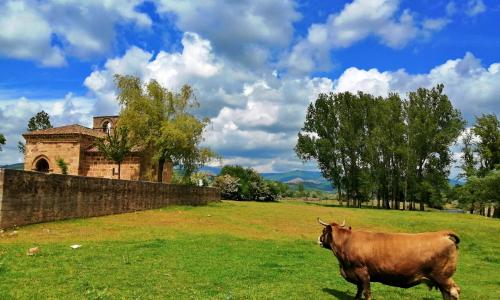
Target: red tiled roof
68,129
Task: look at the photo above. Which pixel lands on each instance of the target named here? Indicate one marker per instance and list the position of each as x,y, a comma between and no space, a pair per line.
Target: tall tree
161,121
335,134
115,146
2,141
487,129
433,126
469,161
39,121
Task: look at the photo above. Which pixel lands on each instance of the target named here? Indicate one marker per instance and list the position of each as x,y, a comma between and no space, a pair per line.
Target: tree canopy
39,121
162,122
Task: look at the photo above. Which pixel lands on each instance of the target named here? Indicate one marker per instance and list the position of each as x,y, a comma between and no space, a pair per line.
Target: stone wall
32,197
96,165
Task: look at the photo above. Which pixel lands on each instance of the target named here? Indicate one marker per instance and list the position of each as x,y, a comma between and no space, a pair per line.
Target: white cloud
46,32
435,24
471,87
253,113
26,34
243,31
357,21
475,7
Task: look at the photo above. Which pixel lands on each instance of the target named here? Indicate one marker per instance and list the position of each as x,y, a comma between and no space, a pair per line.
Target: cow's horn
322,222
343,224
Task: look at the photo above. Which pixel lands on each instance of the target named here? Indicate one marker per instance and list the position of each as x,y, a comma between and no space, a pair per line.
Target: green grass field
228,250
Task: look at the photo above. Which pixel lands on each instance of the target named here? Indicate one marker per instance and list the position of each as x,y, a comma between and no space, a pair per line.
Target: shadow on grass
338,294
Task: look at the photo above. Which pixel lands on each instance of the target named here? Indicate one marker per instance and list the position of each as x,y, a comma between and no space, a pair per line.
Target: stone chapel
75,145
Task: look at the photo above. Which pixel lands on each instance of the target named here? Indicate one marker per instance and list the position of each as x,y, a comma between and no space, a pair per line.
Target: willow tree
161,122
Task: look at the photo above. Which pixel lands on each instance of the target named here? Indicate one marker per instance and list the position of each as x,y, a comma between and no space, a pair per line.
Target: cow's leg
359,292
366,288
364,278
449,289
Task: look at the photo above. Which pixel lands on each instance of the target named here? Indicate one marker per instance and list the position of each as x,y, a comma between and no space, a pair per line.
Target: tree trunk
161,164
378,199
421,204
488,213
496,211
119,169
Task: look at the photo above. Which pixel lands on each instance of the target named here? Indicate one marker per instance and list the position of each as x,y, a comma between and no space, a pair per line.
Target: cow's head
325,240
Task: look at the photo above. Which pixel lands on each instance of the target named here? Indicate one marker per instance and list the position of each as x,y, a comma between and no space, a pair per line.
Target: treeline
393,149
481,168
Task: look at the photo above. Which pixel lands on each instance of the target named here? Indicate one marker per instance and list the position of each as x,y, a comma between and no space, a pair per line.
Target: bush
228,186
249,185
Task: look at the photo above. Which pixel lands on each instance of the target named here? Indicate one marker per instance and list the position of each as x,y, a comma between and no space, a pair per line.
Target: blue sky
255,64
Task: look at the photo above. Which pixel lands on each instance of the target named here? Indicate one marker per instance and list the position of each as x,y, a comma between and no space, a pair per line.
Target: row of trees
393,149
481,168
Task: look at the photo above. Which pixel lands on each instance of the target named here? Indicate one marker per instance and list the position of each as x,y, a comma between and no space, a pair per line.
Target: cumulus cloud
26,34
358,20
472,87
254,114
243,31
47,32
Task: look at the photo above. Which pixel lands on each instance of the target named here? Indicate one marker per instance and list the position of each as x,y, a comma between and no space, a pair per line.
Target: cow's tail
454,237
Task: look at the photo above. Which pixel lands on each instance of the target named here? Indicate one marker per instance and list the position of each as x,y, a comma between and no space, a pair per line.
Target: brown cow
396,259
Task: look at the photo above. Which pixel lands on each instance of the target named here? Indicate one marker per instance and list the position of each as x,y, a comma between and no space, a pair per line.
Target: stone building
75,145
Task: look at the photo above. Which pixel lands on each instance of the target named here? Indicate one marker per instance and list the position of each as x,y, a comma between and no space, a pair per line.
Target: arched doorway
42,165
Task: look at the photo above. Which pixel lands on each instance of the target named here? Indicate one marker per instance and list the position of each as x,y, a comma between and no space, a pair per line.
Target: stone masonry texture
31,197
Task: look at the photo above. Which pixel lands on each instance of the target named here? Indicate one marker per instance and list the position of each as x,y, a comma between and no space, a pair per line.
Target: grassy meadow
227,250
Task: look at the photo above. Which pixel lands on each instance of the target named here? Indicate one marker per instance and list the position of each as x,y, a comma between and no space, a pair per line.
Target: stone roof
66,130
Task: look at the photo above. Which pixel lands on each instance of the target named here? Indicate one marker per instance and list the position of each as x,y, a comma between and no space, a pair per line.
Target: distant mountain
210,170
312,180
294,174
19,166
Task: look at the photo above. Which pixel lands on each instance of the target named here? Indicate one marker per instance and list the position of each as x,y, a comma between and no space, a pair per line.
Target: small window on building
42,165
